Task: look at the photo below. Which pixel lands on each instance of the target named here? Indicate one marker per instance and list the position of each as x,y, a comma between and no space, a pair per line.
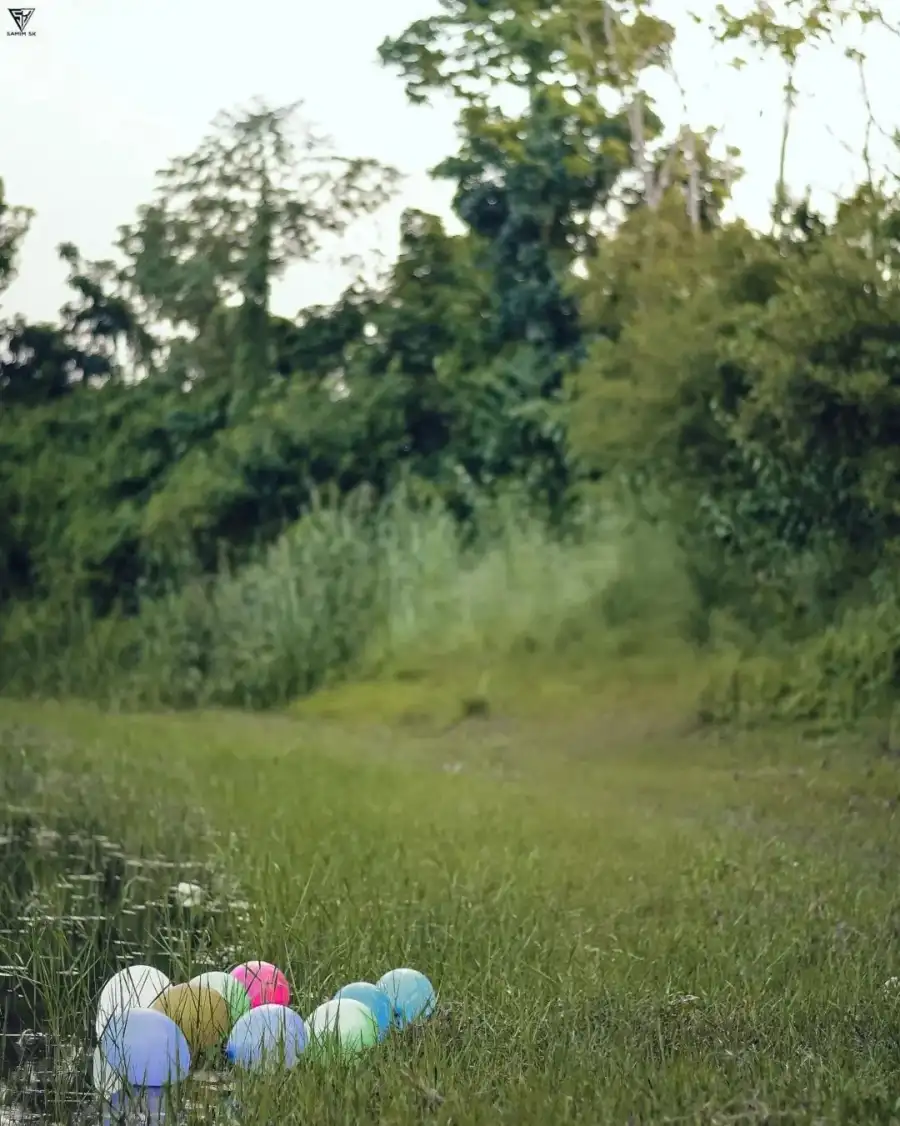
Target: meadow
513,763
628,919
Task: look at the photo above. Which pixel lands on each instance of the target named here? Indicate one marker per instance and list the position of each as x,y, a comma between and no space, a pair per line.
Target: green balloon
228,987
342,1027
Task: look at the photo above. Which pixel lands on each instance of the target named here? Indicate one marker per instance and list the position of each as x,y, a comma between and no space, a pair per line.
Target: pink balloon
265,983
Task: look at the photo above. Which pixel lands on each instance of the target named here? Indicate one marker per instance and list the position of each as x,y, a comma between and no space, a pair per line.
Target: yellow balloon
200,1013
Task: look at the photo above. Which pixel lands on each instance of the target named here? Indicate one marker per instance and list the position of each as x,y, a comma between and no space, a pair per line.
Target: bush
354,588
849,669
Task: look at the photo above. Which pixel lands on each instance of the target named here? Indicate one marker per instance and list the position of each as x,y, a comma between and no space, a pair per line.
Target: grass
354,591
627,920
392,599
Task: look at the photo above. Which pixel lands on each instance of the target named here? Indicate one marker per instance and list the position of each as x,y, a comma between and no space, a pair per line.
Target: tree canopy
599,323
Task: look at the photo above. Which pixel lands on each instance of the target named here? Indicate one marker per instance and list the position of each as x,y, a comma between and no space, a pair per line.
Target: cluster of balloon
356,1018
151,1030
362,1013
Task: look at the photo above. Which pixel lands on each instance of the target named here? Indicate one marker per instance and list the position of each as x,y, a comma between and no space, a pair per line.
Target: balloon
411,994
199,1012
228,987
105,1081
375,999
145,1049
344,1026
265,983
134,988
267,1035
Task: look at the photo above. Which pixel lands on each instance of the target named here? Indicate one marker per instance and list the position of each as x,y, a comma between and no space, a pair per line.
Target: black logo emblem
21,16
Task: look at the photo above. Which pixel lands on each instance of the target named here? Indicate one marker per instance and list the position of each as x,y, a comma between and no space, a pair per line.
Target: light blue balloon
145,1049
411,995
268,1035
376,999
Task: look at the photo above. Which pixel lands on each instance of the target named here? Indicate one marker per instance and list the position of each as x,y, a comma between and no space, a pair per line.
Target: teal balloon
376,999
411,995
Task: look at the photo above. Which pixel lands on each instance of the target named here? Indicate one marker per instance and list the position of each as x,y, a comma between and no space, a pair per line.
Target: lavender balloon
267,1035
145,1049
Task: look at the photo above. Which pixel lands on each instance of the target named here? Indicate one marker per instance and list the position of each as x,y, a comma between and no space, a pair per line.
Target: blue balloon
376,999
411,994
267,1034
146,1049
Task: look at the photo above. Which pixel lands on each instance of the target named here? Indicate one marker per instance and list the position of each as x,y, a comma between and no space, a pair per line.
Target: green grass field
628,920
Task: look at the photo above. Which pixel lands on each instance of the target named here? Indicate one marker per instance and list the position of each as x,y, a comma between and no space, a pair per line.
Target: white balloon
134,988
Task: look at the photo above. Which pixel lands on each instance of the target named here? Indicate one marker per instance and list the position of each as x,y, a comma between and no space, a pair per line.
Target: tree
99,338
433,311
101,318
41,363
14,224
586,49
532,187
823,358
529,188
260,192
801,26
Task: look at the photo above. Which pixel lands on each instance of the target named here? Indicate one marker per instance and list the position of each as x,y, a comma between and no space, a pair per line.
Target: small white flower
892,985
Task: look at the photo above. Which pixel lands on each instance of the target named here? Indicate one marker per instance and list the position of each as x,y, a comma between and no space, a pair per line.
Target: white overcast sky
108,90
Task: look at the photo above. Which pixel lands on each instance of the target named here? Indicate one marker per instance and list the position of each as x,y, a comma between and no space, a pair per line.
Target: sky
107,91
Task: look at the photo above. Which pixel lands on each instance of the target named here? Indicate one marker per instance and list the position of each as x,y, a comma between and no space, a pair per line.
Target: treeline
217,503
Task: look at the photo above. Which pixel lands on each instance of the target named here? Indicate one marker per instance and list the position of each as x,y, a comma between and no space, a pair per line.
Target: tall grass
353,589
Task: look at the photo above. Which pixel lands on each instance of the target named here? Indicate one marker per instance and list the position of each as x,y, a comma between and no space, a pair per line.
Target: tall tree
587,49
532,186
259,193
795,29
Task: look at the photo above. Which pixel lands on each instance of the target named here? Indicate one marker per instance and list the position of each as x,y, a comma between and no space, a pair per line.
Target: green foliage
822,359
849,669
474,46
228,219
100,339
365,587
598,327
768,399
14,224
